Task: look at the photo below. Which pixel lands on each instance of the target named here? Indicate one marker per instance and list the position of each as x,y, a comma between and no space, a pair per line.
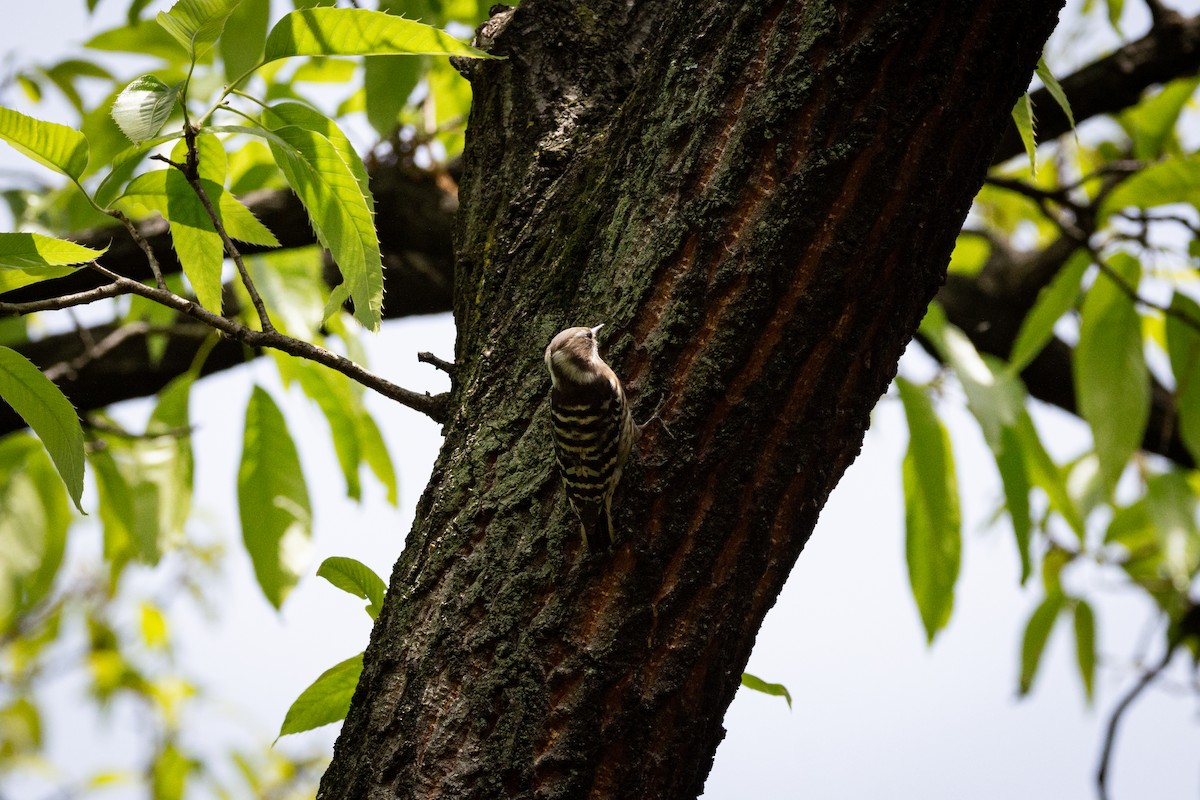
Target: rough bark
416,214
759,199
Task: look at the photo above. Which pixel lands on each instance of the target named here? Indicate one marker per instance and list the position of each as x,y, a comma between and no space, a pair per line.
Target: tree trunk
759,200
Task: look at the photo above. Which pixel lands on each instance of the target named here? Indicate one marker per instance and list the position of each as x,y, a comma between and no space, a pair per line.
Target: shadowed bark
759,200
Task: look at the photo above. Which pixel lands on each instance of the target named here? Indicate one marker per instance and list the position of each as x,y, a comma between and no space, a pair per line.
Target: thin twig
1132,293
429,358
143,244
191,171
1074,230
100,425
433,406
65,301
95,351
1110,736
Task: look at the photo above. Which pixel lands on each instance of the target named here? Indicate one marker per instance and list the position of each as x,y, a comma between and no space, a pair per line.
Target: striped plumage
593,429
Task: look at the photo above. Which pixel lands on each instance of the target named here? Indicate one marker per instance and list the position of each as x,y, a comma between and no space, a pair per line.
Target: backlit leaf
272,499
142,107
1022,115
1037,633
326,700
52,145
48,412
1085,646
759,685
933,543
358,32
1052,302
356,578
196,24
1183,347
1111,380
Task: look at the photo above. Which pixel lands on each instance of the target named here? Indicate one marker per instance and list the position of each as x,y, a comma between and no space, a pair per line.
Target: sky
876,713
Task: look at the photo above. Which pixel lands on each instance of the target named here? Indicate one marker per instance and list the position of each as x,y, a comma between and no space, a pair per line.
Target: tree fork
760,201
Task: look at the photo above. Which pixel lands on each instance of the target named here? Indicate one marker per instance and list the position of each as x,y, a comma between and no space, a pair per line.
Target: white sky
876,713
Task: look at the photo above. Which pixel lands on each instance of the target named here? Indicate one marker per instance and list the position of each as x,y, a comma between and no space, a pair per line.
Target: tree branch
1170,50
432,406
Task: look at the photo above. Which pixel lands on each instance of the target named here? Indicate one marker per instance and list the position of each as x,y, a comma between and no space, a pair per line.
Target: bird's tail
596,525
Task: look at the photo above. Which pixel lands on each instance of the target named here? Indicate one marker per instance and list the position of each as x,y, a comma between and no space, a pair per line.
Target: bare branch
59,303
429,358
137,237
1110,736
432,406
95,350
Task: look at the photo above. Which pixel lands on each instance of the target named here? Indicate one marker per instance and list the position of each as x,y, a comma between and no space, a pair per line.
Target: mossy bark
759,200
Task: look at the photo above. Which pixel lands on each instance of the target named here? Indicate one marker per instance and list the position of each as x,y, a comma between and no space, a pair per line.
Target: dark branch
1170,50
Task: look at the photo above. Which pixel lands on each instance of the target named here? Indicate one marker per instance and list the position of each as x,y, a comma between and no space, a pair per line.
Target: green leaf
358,32
20,729
1085,646
145,483
291,284
241,44
196,24
52,145
356,578
326,700
333,394
117,518
48,412
1172,180
153,626
1172,508
123,165
759,685
1046,475
199,246
26,251
32,90
1151,123
1052,302
65,73
145,38
1037,633
272,499
1183,347
388,81
169,773
1022,115
341,215
1055,89
300,115
197,243
1010,460
142,107
994,395
971,252
1115,9
933,544
1109,356
33,525
375,453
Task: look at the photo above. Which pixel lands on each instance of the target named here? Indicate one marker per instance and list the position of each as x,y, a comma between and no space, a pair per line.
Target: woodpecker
593,429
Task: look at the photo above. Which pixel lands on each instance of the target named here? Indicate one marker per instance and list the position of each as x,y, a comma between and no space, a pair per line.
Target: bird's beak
596,329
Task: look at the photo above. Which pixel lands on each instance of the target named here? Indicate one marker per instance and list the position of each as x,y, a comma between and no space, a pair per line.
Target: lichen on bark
759,200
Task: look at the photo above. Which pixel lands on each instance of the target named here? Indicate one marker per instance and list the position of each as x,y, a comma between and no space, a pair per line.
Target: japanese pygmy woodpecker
593,429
